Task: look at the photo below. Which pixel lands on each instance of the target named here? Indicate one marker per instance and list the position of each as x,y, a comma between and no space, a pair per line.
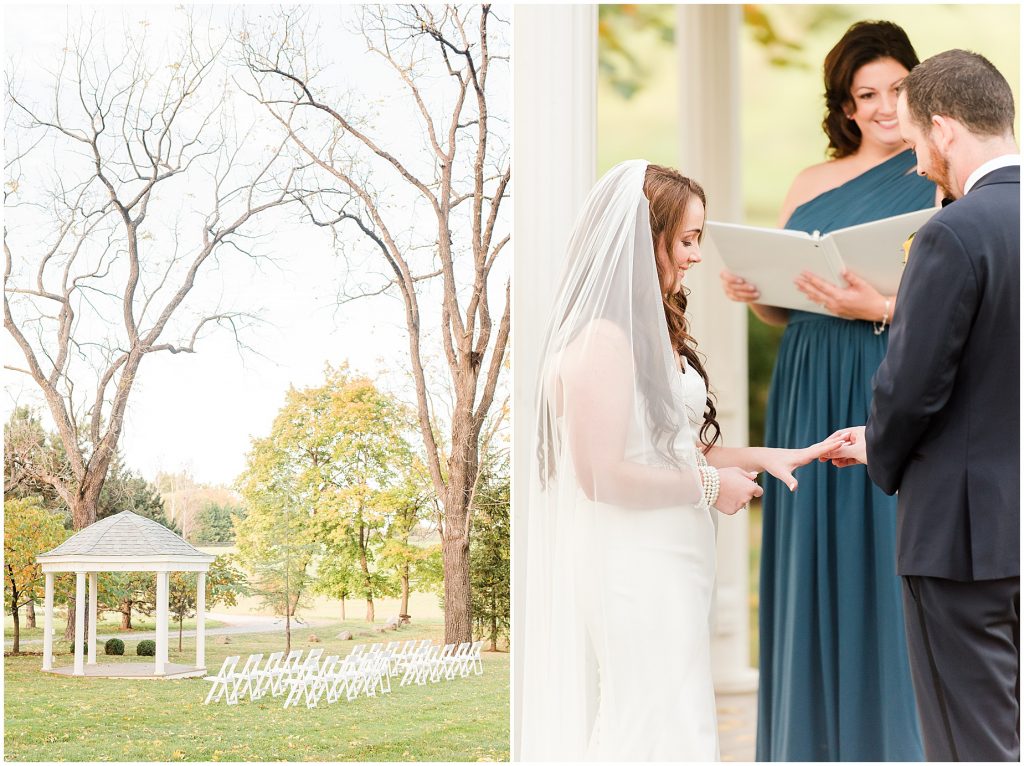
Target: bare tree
457,175
130,181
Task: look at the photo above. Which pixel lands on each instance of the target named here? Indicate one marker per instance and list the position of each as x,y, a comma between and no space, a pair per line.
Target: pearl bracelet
710,482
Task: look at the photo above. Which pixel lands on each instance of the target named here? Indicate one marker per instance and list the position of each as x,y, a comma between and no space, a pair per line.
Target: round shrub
146,648
113,646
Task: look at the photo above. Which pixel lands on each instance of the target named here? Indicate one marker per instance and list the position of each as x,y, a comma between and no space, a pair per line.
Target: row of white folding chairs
433,662
275,676
336,677
364,670
399,653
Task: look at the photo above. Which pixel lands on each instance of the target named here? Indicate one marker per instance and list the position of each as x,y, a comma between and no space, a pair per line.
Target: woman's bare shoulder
811,182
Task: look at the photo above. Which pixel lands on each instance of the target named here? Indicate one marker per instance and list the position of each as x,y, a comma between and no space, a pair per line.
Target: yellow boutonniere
906,248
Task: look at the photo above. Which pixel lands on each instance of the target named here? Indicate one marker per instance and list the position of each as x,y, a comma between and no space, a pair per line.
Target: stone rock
314,638
344,636
391,624
378,628
224,639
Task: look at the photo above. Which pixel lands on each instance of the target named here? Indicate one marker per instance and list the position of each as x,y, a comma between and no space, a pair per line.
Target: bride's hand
736,488
781,463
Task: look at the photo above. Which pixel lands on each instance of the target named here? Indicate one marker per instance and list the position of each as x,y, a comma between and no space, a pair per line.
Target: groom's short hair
962,85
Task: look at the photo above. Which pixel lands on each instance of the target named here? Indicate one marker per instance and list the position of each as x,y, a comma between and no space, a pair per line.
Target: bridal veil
611,432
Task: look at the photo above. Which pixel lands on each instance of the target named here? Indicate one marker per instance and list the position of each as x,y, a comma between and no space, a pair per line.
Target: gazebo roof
126,541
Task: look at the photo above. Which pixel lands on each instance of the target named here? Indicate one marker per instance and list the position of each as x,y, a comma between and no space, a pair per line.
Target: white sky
198,411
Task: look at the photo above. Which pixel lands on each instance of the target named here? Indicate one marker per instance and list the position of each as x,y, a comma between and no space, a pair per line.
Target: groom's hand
853,452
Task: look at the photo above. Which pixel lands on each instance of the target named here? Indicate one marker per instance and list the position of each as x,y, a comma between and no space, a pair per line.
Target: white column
554,55
79,623
162,588
707,40
93,579
201,620
48,622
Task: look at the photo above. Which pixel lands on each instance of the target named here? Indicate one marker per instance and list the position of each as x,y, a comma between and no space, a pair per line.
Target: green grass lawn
57,718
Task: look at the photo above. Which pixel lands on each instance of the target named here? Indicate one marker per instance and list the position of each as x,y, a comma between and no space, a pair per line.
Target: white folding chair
244,678
375,675
284,670
222,683
413,665
437,666
316,687
474,661
344,675
298,682
454,662
263,677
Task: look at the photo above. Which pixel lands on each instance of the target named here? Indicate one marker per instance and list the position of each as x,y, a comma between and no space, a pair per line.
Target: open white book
772,258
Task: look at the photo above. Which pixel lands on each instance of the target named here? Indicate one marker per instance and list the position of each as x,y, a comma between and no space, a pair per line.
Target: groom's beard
940,174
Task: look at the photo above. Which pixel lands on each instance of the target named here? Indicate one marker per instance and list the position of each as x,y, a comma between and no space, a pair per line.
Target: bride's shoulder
596,341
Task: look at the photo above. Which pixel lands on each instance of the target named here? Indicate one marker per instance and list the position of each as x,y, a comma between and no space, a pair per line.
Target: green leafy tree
489,559
29,529
354,435
225,582
214,523
276,545
126,593
416,565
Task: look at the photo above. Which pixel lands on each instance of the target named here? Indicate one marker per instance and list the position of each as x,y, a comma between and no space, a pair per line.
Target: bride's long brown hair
668,193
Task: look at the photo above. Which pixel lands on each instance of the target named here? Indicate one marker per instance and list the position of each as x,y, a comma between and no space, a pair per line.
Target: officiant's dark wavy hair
863,43
668,193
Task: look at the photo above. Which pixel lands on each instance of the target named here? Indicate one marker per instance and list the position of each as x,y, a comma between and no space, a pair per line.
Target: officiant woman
835,680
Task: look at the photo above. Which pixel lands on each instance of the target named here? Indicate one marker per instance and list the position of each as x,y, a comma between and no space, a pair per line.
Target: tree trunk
16,648
404,611
287,631
343,610
366,579
458,616
30,614
69,628
494,623
126,615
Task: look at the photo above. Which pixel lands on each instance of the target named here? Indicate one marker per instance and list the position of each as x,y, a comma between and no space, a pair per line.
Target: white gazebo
125,542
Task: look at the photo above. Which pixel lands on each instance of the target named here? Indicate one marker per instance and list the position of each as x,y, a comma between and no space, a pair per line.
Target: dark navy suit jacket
944,428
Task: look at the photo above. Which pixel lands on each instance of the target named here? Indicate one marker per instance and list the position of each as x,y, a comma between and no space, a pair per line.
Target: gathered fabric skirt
834,676
645,579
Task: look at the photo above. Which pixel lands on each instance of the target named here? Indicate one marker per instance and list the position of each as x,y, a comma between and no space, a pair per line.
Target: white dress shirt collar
1002,161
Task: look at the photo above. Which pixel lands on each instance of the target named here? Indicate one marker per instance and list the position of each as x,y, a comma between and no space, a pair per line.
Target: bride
625,486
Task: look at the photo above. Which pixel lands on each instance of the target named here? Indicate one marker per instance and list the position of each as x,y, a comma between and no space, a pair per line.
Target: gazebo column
93,580
556,159
79,623
201,620
162,588
709,141
48,623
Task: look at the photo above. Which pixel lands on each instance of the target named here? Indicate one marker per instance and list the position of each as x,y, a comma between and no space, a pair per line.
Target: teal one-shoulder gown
835,680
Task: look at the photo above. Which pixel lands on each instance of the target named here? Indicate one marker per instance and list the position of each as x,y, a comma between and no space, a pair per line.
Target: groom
944,428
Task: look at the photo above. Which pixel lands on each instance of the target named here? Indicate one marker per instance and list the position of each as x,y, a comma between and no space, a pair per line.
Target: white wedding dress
619,557
646,579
